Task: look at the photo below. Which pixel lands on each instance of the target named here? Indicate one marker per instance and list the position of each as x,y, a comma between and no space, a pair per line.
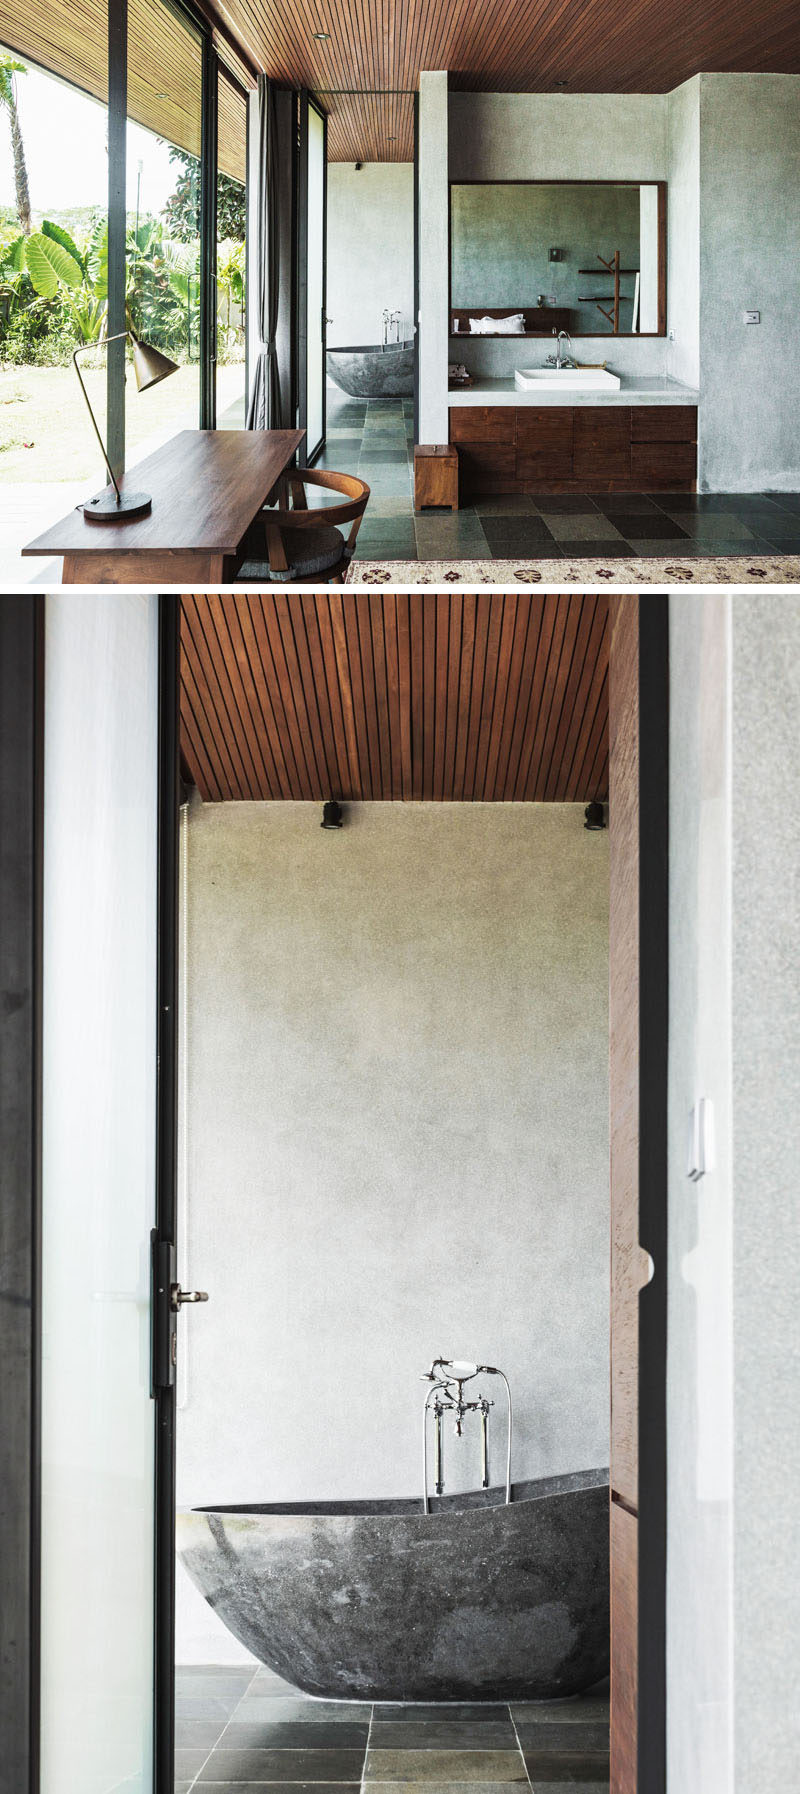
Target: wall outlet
752,317
672,336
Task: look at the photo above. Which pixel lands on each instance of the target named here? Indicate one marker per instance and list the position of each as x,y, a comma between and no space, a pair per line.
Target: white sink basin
567,379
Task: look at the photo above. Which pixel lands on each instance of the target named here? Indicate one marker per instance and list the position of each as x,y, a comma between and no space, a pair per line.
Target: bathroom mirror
531,257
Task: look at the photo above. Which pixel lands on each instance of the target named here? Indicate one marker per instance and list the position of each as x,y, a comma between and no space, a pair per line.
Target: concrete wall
370,249
396,1125
734,1346
433,222
749,259
519,136
766,1154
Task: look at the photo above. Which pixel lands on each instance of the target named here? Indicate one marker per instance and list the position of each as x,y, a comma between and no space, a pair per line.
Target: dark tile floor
375,438
242,1729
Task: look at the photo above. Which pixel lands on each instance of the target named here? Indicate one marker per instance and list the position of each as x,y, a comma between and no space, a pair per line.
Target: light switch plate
700,1153
752,317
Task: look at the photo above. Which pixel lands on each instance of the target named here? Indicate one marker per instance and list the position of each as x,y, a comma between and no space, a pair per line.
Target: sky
64,134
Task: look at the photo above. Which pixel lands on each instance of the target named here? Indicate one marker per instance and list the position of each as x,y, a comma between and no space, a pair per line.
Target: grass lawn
46,434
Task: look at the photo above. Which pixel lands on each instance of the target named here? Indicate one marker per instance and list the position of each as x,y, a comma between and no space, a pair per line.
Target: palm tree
8,98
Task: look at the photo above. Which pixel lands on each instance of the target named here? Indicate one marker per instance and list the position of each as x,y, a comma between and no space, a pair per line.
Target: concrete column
433,257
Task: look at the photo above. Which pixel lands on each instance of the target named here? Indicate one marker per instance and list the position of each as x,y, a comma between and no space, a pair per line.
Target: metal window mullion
208,237
116,320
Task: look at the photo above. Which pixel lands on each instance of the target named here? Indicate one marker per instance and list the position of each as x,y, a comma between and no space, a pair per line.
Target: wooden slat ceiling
164,67
380,46
464,697
369,127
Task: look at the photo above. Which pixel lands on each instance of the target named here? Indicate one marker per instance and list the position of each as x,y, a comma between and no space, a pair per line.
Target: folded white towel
511,326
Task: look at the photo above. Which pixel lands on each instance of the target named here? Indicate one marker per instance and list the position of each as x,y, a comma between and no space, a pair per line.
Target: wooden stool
435,475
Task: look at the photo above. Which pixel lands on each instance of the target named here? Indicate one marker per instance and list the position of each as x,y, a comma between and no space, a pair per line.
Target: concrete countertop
636,389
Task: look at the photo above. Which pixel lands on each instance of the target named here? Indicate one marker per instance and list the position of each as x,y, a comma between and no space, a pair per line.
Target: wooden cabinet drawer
665,462
664,423
602,444
487,467
544,429
482,423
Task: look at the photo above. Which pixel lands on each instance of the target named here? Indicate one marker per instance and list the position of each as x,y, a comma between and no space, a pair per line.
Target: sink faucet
557,360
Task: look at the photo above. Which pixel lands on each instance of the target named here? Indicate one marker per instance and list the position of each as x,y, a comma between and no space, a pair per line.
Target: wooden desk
207,487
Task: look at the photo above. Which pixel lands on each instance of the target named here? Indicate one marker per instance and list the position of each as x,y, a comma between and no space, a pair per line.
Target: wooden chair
303,545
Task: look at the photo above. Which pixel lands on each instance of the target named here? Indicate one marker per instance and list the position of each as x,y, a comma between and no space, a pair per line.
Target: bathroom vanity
638,437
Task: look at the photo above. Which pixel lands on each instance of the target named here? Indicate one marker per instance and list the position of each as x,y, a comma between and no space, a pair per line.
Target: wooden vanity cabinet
561,448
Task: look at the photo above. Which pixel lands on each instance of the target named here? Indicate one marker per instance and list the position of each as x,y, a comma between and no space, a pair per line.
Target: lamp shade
150,366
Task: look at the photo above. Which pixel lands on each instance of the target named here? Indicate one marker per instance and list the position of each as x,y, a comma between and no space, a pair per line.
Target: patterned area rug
704,570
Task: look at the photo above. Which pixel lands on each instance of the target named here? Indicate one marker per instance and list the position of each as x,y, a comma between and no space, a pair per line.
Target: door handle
178,1296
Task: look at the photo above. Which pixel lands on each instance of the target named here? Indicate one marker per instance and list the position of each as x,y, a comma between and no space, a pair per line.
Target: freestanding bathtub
372,372
375,1600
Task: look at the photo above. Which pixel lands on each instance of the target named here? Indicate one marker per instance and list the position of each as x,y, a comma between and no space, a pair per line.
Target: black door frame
307,102
21,819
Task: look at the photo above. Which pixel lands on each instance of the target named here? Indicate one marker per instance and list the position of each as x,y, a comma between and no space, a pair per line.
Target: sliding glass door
311,283
107,1482
231,271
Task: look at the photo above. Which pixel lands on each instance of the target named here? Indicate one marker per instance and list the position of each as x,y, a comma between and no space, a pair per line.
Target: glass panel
231,222
99,1094
165,84
315,375
52,292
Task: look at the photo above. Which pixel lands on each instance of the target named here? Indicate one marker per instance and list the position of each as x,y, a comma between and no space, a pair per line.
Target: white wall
749,259
370,249
734,1343
536,136
397,1144
434,229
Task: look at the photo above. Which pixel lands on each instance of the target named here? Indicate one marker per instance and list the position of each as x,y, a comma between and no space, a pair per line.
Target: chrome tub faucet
447,1377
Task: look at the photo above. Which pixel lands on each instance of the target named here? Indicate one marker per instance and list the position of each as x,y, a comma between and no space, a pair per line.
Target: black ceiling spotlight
595,815
359,166
332,814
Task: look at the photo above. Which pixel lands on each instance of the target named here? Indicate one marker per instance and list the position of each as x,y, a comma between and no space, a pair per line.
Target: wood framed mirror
534,257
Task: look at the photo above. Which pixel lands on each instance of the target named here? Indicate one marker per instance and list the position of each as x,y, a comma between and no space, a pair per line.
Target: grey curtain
265,411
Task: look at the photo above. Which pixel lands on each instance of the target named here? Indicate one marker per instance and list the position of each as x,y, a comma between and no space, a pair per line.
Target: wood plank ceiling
458,698
351,50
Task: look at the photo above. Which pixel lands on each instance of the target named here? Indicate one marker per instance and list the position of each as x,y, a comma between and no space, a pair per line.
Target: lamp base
107,508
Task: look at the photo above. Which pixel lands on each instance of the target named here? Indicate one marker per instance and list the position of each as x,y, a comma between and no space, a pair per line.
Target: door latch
167,1299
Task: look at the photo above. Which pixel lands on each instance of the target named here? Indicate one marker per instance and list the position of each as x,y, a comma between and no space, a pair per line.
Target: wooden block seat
435,475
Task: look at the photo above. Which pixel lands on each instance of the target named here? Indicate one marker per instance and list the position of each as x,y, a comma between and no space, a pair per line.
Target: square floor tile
588,1707
442,1734
444,1766
512,536
518,504
423,1712
235,1787
786,501
450,534
648,526
551,1769
611,502
709,526
300,1710
209,1706
591,526
309,1766
188,1763
198,1734
604,549
560,1736
245,1733
562,503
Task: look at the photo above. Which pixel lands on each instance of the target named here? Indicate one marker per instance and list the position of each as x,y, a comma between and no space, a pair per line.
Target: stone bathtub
375,1600
372,372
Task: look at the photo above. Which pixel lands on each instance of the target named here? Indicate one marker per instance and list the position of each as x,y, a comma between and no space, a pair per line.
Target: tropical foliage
54,276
